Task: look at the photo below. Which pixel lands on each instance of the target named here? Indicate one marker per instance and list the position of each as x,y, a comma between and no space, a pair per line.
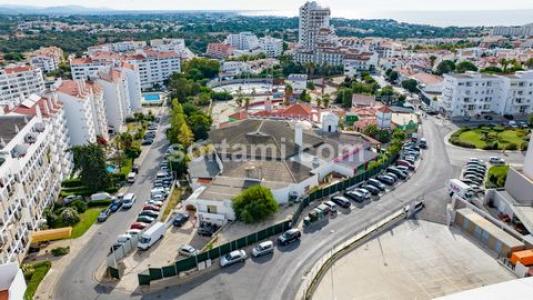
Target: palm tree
310,67
432,59
318,102
288,94
246,102
326,100
504,62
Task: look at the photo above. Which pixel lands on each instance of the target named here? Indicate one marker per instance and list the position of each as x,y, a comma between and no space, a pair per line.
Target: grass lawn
491,138
87,219
496,176
174,199
40,270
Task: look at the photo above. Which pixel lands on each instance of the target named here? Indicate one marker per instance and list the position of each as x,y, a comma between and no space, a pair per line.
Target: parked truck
151,236
458,188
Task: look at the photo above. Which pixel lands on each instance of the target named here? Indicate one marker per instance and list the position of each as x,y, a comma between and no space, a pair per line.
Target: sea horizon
471,18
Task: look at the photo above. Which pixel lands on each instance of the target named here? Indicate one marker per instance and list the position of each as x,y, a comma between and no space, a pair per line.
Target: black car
146,142
355,196
376,183
400,174
180,219
289,236
115,205
104,214
372,189
386,179
341,201
204,232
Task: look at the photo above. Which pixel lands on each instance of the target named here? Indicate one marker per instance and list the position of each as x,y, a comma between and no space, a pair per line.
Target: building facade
473,94
242,41
32,165
19,82
312,18
47,59
272,47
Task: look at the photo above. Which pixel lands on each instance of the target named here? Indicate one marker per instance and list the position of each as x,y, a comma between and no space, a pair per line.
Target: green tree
186,136
288,94
445,66
89,160
393,76
346,96
326,99
432,60
410,85
465,66
304,96
69,216
255,204
310,85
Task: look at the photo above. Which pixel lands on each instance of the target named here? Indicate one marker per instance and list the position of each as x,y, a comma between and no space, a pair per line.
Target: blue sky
336,5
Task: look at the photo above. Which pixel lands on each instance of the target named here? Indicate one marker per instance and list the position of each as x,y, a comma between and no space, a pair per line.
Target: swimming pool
153,97
111,169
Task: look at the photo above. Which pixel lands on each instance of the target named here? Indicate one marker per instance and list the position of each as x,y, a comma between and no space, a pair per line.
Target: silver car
263,248
232,258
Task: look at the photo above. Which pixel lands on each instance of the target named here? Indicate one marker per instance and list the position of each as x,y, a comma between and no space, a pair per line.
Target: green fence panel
214,253
155,273
252,238
202,257
226,248
144,278
113,272
186,264
169,271
242,242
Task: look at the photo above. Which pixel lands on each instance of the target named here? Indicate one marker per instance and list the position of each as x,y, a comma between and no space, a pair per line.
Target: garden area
496,177
34,274
491,138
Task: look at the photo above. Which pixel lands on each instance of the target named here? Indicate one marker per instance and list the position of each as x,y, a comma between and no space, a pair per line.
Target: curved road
277,276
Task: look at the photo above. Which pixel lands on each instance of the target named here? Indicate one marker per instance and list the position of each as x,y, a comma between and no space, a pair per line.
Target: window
212,209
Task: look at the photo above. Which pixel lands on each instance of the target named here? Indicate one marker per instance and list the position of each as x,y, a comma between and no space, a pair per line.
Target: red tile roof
17,69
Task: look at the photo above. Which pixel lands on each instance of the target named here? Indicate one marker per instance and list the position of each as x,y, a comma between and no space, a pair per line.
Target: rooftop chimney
298,135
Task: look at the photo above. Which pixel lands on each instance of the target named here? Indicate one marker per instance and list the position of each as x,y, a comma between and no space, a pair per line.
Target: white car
123,238
263,248
155,202
188,250
497,160
232,257
133,232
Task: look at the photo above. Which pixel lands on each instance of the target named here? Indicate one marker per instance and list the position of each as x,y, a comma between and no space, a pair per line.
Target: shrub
523,146
69,216
499,128
511,146
79,205
60,251
255,204
71,183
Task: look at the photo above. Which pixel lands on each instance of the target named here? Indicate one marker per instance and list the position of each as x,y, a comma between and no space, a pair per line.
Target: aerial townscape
212,153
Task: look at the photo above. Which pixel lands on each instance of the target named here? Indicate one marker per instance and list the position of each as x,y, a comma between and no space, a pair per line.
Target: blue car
115,205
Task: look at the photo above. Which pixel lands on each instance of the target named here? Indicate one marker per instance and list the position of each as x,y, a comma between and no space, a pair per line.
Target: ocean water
435,18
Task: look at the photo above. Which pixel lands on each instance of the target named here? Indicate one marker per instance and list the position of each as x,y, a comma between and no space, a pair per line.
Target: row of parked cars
150,134
261,249
473,173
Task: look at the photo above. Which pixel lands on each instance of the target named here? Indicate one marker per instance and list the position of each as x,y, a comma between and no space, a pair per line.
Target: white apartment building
320,56
272,47
357,63
33,162
12,283
120,99
85,67
472,94
231,69
19,82
84,109
155,66
526,30
47,59
312,19
242,41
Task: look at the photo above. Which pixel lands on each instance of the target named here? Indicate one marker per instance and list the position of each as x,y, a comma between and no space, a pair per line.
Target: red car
152,207
139,225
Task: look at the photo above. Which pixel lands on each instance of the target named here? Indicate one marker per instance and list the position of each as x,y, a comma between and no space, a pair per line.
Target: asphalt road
77,281
279,276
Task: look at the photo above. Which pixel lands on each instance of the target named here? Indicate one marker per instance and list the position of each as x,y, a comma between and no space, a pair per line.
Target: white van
128,200
151,236
131,177
100,196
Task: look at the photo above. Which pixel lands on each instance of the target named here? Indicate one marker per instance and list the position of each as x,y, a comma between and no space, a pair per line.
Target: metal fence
115,256
203,258
340,186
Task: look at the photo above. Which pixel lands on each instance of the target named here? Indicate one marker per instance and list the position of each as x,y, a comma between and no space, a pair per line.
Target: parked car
204,232
394,176
139,225
473,164
71,198
423,143
123,238
114,247
469,182
405,163
332,206
513,124
145,219
401,175
365,193
151,207
180,219
403,169
147,142
410,159
134,232
149,213
128,201
154,202
376,183
104,214
188,250
523,124
372,189
475,160
264,248
497,160
341,201
115,205
289,236
233,257
477,171
386,179
355,196
100,196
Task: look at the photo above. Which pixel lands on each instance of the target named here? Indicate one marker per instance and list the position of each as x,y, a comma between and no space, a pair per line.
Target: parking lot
435,261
